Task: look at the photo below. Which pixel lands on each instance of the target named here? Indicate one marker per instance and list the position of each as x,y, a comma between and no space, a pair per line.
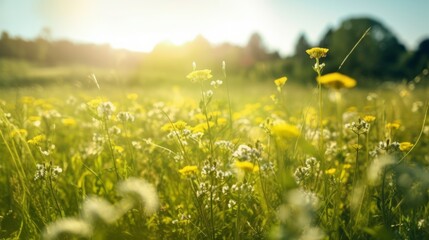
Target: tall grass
222,162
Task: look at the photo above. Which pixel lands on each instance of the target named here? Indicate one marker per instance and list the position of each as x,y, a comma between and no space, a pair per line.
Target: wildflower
356,146
56,170
369,118
245,152
18,132
246,166
216,84
284,130
37,139
280,82
331,171
199,75
337,80
208,94
317,52
179,125
40,172
405,146
188,170
358,128
125,117
393,125
105,109
68,122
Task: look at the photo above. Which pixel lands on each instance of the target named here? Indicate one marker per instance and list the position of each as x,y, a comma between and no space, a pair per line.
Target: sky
141,24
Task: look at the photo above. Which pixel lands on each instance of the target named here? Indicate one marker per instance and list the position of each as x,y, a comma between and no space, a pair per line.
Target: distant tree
299,64
378,55
418,60
301,46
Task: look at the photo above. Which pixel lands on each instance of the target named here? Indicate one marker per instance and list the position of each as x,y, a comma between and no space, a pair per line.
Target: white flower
105,109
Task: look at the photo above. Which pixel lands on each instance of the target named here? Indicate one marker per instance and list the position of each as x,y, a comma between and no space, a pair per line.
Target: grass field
198,158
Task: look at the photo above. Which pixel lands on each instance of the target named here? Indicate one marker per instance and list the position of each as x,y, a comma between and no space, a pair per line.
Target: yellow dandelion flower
331,171
68,122
200,75
37,139
337,80
20,132
34,118
347,166
246,166
369,118
188,170
393,125
280,82
118,149
405,146
202,127
317,52
27,100
284,130
179,125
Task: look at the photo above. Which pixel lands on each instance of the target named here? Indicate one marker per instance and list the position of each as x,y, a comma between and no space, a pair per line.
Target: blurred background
133,43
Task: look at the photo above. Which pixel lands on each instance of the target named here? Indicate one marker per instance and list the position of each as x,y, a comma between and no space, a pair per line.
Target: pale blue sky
140,24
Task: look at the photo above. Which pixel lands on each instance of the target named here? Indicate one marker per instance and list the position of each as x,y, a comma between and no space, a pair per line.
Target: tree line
379,56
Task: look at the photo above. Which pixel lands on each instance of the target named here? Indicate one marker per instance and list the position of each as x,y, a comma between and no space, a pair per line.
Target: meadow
211,157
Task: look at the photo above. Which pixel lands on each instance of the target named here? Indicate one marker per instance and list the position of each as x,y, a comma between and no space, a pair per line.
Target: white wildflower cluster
125,117
47,171
106,109
94,147
50,114
208,94
311,168
358,128
224,145
182,219
385,147
215,84
247,153
115,130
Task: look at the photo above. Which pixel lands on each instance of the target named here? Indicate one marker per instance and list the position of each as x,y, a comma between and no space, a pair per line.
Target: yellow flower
280,82
331,171
21,132
118,149
337,80
200,75
179,125
37,139
317,52
393,125
188,170
369,118
356,146
405,146
347,166
68,121
246,166
284,130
